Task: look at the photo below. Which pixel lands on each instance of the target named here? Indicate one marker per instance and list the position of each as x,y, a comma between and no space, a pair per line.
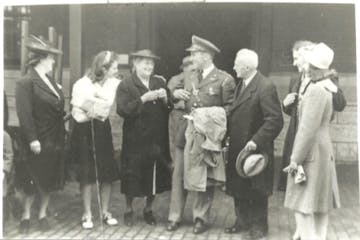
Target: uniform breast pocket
213,91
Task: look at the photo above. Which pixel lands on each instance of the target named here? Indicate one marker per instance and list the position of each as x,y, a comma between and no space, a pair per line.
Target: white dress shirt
207,70
248,79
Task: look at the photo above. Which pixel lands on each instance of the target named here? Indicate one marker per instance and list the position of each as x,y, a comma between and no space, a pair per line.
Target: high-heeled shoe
87,223
109,219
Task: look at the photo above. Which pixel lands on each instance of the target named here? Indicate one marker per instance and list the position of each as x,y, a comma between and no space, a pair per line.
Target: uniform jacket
254,115
313,150
216,89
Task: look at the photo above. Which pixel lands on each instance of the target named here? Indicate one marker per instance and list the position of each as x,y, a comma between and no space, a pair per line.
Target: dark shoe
149,217
236,228
44,224
24,226
173,226
128,218
258,233
199,226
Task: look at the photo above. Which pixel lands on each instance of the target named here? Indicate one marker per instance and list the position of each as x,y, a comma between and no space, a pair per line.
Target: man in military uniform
210,87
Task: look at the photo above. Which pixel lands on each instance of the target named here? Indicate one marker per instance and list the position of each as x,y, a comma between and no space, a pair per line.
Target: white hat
320,56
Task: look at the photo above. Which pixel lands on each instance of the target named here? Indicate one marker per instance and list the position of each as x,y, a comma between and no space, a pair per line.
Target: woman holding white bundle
92,146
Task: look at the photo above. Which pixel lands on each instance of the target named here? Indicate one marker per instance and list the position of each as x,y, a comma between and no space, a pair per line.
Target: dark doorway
226,25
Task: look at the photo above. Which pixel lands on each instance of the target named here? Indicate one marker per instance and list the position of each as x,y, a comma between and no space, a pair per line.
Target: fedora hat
36,44
202,45
249,164
144,53
320,56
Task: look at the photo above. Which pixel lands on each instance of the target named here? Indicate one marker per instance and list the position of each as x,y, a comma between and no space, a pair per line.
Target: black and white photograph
180,120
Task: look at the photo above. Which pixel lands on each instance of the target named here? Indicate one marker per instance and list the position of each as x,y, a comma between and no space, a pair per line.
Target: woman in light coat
312,199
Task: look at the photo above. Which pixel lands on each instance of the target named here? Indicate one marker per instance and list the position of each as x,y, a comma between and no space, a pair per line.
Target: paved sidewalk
66,213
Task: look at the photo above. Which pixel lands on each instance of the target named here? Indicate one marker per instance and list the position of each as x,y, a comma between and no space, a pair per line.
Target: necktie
200,74
241,88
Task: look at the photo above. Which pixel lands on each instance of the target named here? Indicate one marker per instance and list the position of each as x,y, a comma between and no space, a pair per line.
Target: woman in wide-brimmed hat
313,199
40,109
143,100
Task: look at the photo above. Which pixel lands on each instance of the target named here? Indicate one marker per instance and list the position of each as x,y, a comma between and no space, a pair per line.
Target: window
13,15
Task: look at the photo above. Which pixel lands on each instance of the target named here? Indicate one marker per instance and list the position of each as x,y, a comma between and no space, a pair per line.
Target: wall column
261,40
75,43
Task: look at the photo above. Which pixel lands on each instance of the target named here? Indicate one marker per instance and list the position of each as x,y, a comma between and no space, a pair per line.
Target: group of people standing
205,109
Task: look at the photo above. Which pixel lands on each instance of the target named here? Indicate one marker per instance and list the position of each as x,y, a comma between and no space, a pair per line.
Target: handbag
300,175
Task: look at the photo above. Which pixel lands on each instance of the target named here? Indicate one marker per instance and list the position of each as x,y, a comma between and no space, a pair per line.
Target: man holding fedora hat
210,87
255,120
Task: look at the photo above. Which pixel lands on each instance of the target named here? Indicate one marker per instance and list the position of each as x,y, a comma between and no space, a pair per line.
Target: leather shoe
149,217
236,228
24,226
128,218
258,233
44,224
199,226
173,226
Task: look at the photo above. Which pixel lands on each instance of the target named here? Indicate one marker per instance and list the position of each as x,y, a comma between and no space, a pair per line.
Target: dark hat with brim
36,44
144,53
249,164
202,45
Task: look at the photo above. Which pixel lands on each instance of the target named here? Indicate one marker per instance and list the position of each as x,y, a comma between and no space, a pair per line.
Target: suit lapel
56,87
211,77
40,83
247,93
296,86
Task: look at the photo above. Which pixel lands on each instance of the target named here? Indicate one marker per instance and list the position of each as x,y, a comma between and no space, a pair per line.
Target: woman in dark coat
40,109
144,102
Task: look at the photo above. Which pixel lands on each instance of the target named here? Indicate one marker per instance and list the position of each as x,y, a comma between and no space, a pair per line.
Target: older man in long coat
255,120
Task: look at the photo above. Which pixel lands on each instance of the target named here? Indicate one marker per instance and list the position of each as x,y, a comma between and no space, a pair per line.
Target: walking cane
96,174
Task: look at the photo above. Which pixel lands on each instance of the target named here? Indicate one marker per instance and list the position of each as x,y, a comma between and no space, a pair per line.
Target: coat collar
39,82
140,85
248,91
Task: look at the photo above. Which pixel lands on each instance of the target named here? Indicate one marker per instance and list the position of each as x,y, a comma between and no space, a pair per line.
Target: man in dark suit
212,87
255,120
289,104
